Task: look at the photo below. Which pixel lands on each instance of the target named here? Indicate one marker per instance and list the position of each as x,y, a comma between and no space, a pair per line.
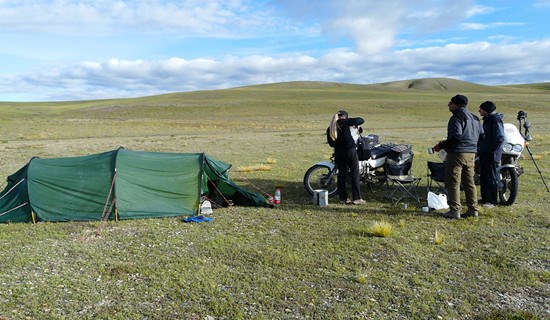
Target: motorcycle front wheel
321,177
508,186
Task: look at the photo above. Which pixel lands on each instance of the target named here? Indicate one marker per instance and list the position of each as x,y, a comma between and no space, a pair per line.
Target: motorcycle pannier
400,152
380,151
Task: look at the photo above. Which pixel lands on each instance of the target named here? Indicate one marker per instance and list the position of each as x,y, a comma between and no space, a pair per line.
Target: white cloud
373,25
542,3
376,28
480,62
215,18
484,62
479,10
474,26
482,26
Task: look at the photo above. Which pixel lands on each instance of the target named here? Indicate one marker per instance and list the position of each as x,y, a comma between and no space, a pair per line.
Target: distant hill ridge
426,84
449,85
438,84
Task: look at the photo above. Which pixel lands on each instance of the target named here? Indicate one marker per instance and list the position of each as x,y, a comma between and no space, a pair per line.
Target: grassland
295,261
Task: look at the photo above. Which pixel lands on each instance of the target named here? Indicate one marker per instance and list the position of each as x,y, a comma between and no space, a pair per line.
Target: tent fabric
157,184
134,184
217,171
79,186
14,199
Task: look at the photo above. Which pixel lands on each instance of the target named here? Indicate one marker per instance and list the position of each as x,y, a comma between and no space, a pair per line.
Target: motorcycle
324,174
510,170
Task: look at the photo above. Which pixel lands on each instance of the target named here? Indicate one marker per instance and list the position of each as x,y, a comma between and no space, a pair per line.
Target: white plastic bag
437,201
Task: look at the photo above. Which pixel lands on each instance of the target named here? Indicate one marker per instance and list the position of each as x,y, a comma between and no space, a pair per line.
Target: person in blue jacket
340,137
489,152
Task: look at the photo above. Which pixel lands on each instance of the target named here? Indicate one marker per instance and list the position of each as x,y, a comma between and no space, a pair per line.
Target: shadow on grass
295,196
364,232
507,315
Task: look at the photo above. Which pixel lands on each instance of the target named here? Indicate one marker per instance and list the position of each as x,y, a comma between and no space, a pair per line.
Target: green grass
295,261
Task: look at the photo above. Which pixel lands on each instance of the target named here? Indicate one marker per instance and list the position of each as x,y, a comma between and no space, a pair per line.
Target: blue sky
92,49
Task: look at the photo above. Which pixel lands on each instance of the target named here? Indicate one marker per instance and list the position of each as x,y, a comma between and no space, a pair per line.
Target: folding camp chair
436,177
400,183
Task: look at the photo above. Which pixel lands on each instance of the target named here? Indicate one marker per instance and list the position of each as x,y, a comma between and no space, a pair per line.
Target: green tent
119,184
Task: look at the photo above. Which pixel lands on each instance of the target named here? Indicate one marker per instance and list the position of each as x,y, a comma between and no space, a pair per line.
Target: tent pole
105,214
5,194
201,184
33,217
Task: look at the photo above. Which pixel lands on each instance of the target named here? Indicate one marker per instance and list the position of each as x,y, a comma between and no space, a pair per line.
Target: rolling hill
439,84
434,85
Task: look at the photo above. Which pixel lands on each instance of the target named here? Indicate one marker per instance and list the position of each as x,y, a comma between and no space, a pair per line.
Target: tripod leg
536,166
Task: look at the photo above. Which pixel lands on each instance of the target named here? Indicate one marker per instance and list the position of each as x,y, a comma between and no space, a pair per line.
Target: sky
59,50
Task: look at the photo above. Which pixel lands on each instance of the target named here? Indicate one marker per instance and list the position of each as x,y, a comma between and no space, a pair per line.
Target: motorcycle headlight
517,148
507,147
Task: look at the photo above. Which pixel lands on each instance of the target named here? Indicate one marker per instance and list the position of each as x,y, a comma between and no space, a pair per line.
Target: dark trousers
347,159
489,180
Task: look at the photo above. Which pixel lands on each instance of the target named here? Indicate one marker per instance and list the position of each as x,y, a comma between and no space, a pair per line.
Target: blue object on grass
197,219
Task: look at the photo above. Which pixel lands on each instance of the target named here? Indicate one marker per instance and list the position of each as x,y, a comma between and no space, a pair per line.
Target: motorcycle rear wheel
508,186
321,177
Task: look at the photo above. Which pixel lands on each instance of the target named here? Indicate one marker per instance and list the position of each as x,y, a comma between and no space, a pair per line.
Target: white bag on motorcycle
437,201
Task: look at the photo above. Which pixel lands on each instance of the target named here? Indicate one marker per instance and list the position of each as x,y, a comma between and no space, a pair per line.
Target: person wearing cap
463,132
340,137
489,151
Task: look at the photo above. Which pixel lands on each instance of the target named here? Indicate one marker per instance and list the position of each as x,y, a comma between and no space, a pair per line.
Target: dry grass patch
381,229
361,278
438,237
258,167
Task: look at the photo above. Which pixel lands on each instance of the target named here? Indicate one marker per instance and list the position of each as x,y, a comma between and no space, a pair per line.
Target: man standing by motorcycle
463,133
489,152
339,136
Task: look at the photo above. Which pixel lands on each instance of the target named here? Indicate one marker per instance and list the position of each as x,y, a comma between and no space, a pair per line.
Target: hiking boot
470,214
359,201
452,214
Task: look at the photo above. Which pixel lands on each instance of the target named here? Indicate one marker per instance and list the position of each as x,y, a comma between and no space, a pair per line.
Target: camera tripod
522,118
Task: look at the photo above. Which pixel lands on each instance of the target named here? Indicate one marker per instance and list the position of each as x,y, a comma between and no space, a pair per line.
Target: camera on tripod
522,115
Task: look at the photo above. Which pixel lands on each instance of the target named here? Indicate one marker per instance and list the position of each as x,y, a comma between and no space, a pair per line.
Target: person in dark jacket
340,137
463,133
489,152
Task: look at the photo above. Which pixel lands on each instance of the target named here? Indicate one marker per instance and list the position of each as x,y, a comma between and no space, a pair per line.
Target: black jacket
344,139
491,144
